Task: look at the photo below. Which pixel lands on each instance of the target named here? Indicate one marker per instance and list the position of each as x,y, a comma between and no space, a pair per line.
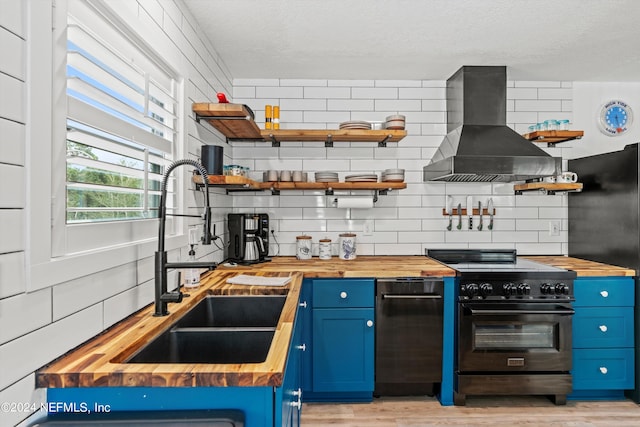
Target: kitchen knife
449,211
480,213
459,227
490,209
470,211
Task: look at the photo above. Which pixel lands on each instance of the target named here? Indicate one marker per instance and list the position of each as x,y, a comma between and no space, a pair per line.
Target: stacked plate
392,175
396,121
326,177
361,178
355,124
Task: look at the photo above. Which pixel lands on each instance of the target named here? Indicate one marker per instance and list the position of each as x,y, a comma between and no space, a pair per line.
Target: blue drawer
610,369
343,293
603,327
604,292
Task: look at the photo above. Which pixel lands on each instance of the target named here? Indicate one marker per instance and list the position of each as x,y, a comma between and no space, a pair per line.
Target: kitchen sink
207,345
227,311
219,329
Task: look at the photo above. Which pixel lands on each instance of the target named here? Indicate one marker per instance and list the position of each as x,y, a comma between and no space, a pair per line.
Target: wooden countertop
362,266
582,267
99,362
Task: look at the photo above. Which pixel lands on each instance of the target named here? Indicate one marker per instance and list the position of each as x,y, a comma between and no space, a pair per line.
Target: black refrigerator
604,219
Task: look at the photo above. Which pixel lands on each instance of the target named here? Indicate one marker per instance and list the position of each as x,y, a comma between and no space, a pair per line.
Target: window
121,121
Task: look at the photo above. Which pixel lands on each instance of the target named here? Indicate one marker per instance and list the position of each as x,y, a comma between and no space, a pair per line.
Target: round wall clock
616,118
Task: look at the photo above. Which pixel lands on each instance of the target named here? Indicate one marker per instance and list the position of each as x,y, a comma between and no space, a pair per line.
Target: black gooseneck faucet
162,297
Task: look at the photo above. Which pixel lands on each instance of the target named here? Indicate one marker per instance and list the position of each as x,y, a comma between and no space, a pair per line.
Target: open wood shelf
240,183
553,137
547,187
329,136
236,122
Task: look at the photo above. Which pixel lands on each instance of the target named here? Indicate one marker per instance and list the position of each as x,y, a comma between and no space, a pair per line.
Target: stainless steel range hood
479,146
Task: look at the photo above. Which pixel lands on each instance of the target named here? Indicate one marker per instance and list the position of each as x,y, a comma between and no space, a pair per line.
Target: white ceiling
573,40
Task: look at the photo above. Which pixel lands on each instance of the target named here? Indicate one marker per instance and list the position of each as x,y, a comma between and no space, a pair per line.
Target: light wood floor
479,411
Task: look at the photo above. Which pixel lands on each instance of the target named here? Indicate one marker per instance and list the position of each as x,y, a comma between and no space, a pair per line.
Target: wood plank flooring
533,411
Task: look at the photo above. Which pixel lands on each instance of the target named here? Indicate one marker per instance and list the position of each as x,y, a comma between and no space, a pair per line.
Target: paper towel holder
375,198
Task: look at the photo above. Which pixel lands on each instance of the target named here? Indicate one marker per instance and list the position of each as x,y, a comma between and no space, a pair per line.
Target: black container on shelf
212,157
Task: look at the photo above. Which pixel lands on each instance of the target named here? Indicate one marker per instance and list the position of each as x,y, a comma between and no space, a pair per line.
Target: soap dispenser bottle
192,275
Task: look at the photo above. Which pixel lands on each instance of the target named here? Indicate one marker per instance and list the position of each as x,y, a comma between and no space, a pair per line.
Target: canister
303,247
324,250
347,246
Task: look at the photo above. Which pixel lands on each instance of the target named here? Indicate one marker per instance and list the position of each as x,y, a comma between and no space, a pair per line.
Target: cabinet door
603,327
603,369
307,325
289,396
604,292
343,349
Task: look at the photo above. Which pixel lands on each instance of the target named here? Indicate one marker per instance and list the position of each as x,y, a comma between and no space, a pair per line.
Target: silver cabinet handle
411,296
303,304
302,347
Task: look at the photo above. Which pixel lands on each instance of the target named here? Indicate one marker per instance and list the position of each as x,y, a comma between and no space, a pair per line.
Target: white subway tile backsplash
398,105
303,82
537,84
564,93
398,83
279,92
327,92
303,104
398,249
422,93
352,83
522,93
374,93
350,104
434,105
325,116
538,105
256,82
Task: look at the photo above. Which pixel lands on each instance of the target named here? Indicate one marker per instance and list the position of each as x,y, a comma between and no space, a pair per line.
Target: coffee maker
248,238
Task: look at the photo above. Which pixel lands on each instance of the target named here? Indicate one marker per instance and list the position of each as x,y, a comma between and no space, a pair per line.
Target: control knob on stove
486,289
561,289
469,290
508,289
524,289
547,289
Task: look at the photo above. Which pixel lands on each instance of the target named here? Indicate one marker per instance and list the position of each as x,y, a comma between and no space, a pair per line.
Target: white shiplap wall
405,221
70,304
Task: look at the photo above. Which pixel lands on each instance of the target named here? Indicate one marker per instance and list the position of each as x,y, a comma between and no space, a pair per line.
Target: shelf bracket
274,141
329,141
204,117
383,143
328,191
275,191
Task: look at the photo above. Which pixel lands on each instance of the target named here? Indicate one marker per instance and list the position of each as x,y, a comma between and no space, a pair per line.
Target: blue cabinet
289,396
603,337
342,342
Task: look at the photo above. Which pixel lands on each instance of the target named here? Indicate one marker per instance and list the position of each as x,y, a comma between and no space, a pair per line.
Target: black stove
513,324
499,275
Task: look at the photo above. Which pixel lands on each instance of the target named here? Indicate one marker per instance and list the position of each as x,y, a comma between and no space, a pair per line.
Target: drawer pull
369,323
343,294
303,304
603,370
603,328
302,347
604,294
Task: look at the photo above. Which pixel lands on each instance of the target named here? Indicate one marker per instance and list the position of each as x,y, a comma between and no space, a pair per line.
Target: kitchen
47,306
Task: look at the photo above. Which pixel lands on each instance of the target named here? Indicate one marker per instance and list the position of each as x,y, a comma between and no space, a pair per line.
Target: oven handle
485,312
411,296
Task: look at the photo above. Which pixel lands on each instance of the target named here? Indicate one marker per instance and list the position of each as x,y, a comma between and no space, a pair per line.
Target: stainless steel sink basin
226,311
207,345
219,329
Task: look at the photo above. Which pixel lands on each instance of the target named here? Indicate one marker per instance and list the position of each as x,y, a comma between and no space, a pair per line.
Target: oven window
524,336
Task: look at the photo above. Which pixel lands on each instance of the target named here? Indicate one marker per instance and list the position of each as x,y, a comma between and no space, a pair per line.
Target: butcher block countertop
582,267
99,362
362,266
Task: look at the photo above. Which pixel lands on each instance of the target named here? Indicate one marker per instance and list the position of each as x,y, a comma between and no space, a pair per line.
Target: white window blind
121,122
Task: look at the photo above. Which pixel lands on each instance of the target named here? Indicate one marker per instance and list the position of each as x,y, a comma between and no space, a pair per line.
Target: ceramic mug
272,175
285,176
567,177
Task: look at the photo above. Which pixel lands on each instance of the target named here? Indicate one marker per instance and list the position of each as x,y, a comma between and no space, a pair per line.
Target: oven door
514,337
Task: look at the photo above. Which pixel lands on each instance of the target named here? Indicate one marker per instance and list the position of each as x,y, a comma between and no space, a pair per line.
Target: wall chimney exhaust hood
479,146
